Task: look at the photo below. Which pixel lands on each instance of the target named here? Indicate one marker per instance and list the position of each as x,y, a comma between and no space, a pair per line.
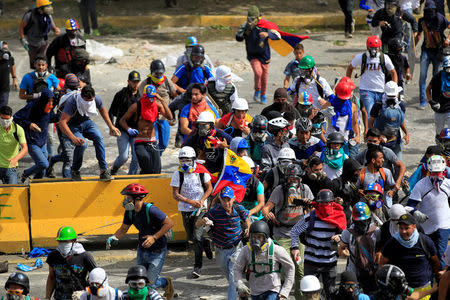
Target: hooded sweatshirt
98,275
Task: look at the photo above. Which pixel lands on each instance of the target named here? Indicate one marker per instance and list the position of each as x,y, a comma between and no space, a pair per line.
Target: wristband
154,237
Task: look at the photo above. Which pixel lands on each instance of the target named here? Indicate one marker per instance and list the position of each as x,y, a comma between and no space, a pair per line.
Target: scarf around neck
410,242
337,161
341,109
196,109
331,213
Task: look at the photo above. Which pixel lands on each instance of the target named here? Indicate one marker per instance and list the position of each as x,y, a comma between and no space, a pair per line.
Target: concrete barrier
14,219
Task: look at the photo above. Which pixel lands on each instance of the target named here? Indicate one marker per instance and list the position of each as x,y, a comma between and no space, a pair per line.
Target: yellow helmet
72,24
40,3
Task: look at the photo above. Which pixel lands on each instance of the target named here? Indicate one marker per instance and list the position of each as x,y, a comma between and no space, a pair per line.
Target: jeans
124,142
261,74
195,234
353,151
8,175
147,154
407,32
440,240
441,121
347,9
87,130
299,269
153,262
88,8
4,97
39,155
328,277
426,57
368,99
269,295
64,156
225,258
51,140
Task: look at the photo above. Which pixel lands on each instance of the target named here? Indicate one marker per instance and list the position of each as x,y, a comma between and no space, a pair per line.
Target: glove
242,289
209,222
111,241
36,95
132,132
24,43
420,216
435,106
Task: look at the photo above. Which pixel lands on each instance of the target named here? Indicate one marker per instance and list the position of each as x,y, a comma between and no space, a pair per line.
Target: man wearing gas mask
138,288
17,287
63,47
152,225
287,205
193,71
438,94
390,19
375,65
315,177
68,266
99,287
236,123
190,43
310,81
333,156
36,25
35,82
265,261
390,113
360,243
277,175
279,128
7,68
349,289
257,137
305,145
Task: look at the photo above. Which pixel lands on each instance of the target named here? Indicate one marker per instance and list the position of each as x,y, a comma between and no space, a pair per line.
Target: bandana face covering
5,123
48,107
138,294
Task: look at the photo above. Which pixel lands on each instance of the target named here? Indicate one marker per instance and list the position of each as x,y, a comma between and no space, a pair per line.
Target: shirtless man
143,115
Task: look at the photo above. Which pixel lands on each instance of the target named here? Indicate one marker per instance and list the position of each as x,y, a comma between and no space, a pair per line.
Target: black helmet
260,227
137,272
335,138
393,279
198,50
394,44
259,122
303,124
19,279
293,170
157,67
325,196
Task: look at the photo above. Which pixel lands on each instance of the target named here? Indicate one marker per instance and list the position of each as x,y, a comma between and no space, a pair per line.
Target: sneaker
352,30
168,290
95,32
76,176
263,99
87,36
105,175
257,96
422,105
24,178
114,171
196,272
348,35
50,173
207,247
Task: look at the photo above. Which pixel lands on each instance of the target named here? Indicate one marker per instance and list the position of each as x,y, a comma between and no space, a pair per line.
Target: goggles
348,286
137,284
14,292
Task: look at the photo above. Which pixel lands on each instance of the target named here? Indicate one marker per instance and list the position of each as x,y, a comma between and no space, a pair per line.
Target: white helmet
187,152
286,153
240,104
279,122
249,161
309,283
223,71
436,163
391,89
396,211
205,117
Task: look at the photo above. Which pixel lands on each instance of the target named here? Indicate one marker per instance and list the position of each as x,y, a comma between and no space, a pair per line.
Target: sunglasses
14,292
137,284
348,286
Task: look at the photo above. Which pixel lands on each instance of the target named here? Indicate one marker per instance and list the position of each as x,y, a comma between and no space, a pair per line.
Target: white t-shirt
192,188
433,203
332,173
312,89
373,77
341,123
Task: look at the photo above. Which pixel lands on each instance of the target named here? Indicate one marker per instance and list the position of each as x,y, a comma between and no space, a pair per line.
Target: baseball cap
407,219
280,93
134,76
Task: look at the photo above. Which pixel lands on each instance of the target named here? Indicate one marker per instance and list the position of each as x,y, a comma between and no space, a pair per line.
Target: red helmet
373,41
374,187
134,189
344,88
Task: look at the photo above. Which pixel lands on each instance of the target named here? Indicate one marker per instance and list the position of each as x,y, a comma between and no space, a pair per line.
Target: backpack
116,295
362,175
283,215
390,117
39,83
311,221
318,85
147,212
251,267
202,180
364,251
30,23
382,64
16,136
189,69
424,246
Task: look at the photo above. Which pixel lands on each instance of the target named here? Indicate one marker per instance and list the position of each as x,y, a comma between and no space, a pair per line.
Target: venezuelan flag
235,174
287,41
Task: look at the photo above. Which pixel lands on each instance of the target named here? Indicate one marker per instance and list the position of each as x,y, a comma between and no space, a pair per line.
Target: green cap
66,233
307,62
253,11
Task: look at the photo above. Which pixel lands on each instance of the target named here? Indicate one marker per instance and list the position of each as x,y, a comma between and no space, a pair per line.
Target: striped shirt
318,246
227,230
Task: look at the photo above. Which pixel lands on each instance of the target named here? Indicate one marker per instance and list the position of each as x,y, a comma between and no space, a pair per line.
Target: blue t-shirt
196,75
315,145
185,112
292,69
139,220
27,82
70,108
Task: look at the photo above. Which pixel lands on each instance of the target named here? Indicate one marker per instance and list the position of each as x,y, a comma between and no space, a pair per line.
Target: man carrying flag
258,34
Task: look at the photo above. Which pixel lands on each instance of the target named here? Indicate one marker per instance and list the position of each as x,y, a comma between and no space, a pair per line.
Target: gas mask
41,74
293,193
374,200
97,289
203,129
256,244
14,294
48,10
5,123
285,136
316,176
4,54
259,136
128,205
283,165
361,227
187,165
197,60
65,249
373,52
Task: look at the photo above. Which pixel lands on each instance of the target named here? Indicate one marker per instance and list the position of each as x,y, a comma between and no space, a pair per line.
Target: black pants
347,9
328,277
148,157
87,8
195,234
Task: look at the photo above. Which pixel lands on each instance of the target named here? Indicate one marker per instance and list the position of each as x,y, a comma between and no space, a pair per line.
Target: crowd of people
312,194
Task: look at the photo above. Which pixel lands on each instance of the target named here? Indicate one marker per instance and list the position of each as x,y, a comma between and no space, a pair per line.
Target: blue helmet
227,192
446,62
238,143
360,212
191,41
150,91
